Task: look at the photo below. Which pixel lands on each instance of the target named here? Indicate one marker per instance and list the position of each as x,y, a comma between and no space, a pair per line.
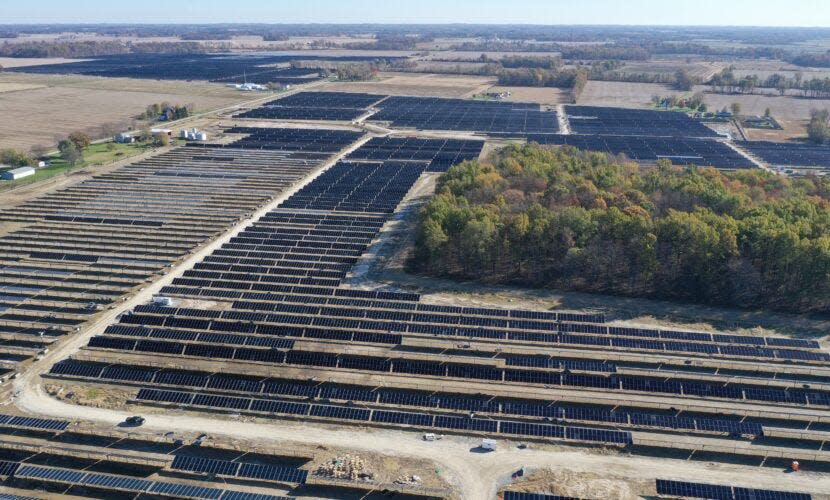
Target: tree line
566,219
727,82
93,48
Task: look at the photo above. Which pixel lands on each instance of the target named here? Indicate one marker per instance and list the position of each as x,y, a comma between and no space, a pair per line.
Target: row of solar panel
412,305
328,100
790,153
717,492
521,495
678,150
358,187
240,469
131,484
33,423
387,417
387,396
276,319
464,114
639,122
465,316
439,153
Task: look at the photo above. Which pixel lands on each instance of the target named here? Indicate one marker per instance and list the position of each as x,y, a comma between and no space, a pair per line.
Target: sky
637,12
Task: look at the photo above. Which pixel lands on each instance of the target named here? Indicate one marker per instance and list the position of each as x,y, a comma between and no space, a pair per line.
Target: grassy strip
94,155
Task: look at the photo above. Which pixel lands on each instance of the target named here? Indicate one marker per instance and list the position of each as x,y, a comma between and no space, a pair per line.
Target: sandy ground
622,94
703,70
416,84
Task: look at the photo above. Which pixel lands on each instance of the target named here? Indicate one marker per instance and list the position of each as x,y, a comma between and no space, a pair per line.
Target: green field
94,155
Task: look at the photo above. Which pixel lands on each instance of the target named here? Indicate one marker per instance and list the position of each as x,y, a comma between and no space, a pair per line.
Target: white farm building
17,173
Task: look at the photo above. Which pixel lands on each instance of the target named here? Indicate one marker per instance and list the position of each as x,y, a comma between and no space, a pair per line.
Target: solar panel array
384,397
283,312
79,249
435,113
33,423
288,139
521,495
337,106
717,492
789,154
223,68
240,469
678,150
119,483
353,414
622,121
358,187
440,154
443,321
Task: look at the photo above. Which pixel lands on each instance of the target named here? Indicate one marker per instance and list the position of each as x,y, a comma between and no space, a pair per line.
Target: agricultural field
542,95
46,109
621,94
416,85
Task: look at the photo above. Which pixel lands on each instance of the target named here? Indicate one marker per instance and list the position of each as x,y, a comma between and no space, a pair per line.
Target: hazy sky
663,12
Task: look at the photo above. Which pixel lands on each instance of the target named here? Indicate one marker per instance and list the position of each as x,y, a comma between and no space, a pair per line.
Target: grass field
95,154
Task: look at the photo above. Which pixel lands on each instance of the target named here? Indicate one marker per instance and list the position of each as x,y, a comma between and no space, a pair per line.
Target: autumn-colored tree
562,218
80,139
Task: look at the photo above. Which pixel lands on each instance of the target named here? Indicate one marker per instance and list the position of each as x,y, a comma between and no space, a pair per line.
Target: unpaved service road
474,475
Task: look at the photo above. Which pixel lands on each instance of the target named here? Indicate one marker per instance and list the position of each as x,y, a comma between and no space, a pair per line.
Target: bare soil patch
41,116
621,94
566,482
416,84
542,95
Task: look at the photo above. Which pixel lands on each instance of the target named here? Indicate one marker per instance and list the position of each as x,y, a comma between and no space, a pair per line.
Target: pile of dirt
569,483
350,467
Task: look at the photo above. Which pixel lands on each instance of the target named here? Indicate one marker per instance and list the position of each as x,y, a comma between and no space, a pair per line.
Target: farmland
351,287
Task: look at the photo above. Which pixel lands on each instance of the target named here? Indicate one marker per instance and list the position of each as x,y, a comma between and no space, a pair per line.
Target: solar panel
207,465
114,482
693,490
521,495
273,473
185,491
37,423
241,495
8,468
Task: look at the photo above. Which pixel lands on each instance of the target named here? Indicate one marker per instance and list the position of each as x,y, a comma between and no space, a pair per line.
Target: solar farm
210,288
220,68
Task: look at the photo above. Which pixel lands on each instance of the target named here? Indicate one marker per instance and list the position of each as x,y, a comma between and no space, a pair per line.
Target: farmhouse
17,173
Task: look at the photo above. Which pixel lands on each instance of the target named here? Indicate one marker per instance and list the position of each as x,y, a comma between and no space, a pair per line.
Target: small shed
124,138
17,173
